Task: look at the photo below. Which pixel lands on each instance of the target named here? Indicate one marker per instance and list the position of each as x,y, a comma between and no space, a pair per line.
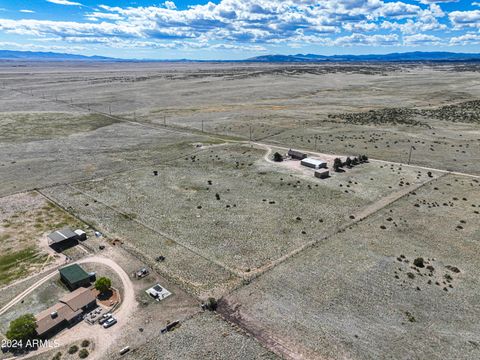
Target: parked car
109,322
142,273
104,318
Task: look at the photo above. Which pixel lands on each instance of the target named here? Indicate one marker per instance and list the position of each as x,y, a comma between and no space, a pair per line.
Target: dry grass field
175,160
359,294
25,220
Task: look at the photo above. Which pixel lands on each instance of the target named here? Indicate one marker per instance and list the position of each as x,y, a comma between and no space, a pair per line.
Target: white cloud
26,11
421,39
466,39
170,5
64,2
252,24
465,19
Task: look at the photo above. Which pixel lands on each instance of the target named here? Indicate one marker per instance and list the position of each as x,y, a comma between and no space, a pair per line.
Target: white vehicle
110,322
104,318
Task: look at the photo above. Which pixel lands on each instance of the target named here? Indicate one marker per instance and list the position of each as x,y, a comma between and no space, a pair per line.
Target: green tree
103,284
277,157
337,164
22,328
348,162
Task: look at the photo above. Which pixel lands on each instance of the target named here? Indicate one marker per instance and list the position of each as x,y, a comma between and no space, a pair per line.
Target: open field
358,294
92,146
25,220
158,158
207,336
229,205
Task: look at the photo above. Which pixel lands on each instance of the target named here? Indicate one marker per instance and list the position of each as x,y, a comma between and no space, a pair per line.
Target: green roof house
74,277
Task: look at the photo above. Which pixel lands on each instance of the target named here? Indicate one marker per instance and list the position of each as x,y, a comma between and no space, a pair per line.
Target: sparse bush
57,356
211,304
410,317
73,349
277,157
85,343
419,262
82,354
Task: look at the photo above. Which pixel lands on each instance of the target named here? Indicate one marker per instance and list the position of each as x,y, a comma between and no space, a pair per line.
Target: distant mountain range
48,56
299,58
408,56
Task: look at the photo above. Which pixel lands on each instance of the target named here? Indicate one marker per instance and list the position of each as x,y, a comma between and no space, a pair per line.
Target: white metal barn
314,163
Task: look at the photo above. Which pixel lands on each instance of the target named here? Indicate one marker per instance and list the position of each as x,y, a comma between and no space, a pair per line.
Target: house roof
73,273
79,298
66,309
61,235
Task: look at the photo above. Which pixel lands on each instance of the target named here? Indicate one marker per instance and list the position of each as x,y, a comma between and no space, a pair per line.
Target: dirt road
102,338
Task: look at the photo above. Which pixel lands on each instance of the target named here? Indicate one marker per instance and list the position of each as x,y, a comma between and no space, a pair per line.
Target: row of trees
349,162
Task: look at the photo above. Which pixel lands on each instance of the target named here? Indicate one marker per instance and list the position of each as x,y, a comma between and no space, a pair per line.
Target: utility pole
165,120
110,109
410,155
134,116
315,142
250,132
202,125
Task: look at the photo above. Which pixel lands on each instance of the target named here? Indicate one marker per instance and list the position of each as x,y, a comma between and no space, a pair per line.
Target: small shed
73,276
297,155
322,174
314,163
158,292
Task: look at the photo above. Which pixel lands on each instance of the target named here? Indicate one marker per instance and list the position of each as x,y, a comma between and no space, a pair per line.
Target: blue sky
238,29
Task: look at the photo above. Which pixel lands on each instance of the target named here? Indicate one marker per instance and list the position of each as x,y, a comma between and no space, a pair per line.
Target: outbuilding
314,163
73,276
297,155
322,174
62,239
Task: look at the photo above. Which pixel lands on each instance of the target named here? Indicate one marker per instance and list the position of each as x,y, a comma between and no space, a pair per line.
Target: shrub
73,349
211,304
277,157
57,356
85,343
418,262
82,354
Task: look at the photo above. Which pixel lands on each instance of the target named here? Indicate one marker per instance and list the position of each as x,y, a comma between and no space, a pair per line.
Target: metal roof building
314,163
74,276
298,155
62,238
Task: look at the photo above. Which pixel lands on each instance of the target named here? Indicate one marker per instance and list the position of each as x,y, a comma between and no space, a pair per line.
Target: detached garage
65,238
73,276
